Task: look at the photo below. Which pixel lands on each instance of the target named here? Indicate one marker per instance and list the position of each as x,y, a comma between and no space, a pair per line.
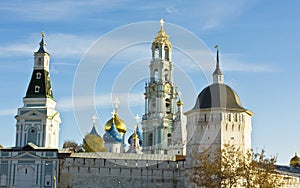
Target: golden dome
120,125
162,37
295,161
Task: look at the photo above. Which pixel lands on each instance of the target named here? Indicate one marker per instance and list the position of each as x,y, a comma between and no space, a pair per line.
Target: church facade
160,151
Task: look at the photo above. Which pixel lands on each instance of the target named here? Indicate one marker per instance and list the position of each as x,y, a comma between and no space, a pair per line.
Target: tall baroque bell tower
38,121
160,97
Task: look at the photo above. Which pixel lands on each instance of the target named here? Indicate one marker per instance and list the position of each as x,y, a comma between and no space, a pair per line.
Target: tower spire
218,76
94,131
40,85
42,44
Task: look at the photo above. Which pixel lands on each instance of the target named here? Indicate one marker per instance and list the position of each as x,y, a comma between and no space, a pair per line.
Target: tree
70,144
232,167
1,146
93,143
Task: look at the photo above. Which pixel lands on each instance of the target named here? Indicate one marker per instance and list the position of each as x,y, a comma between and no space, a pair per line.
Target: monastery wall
75,172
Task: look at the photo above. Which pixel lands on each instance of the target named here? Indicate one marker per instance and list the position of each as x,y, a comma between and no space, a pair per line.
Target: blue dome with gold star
137,133
112,135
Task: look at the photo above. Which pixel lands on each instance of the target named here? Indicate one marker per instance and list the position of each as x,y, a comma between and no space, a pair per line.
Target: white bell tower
160,97
38,121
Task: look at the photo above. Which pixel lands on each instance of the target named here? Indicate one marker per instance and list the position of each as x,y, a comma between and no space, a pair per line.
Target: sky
101,50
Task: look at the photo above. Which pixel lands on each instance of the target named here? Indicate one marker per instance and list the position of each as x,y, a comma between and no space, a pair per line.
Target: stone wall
76,172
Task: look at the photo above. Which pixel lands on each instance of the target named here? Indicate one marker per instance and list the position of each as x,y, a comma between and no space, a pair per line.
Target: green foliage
232,167
1,146
93,143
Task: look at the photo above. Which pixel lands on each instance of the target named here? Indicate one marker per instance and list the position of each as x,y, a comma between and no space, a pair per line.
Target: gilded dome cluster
161,37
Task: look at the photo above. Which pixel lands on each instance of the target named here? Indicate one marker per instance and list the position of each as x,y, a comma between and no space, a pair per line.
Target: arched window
156,52
166,74
40,61
168,106
32,135
155,75
169,139
37,89
48,180
38,75
166,53
150,139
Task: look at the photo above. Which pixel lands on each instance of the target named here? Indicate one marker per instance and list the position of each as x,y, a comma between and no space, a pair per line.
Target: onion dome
136,134
112,135
161,37
295,161
118,123
94,131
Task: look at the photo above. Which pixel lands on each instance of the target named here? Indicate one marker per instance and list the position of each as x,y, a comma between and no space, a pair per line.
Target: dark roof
94,131
42,47
45,90
218,95
288,169
29,147
217,71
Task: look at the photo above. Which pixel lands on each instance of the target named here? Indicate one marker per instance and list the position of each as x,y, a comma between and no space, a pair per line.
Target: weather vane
43,34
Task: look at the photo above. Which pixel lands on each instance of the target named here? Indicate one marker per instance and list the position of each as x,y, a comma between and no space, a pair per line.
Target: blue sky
259,53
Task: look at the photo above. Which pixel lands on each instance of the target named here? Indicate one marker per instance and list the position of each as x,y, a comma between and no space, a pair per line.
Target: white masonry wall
75,172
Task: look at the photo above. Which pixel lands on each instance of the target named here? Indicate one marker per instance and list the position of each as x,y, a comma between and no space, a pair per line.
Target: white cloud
235,62
59,45
68,45
104,100
56,10
7,112
71,46
16,49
